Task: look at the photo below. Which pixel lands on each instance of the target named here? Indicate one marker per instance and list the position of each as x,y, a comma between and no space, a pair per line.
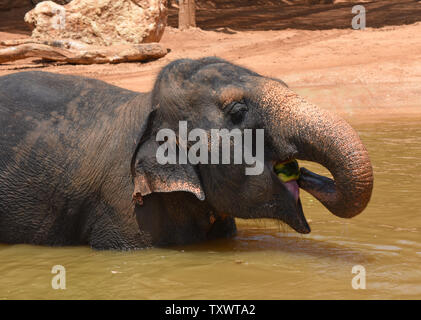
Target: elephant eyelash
236,106
237,111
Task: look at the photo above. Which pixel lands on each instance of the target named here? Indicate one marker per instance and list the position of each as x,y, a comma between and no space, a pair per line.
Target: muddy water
266,260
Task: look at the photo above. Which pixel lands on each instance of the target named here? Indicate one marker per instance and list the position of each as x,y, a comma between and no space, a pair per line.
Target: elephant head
211,93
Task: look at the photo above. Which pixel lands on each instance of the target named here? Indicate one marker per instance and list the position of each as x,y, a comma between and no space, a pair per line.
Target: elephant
78,158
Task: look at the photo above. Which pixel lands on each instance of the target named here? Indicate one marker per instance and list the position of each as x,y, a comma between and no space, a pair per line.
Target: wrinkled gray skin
74,151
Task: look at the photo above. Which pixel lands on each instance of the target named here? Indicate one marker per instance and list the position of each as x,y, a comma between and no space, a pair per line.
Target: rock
100,22
75,52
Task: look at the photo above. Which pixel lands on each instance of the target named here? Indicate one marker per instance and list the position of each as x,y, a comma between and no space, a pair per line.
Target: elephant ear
150,176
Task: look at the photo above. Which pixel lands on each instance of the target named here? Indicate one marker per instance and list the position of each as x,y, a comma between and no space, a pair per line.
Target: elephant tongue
292,186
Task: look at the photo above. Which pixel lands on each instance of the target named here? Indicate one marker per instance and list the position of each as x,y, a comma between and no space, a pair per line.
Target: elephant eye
237,111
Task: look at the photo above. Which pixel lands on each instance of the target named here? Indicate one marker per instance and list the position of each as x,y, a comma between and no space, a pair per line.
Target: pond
266,260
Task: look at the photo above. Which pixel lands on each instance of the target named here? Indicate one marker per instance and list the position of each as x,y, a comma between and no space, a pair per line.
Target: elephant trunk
309,133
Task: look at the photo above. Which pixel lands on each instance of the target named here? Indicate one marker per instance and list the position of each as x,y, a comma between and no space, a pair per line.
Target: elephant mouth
294,189
288,173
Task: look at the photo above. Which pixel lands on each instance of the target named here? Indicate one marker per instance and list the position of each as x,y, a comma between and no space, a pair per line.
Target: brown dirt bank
297,14
359,74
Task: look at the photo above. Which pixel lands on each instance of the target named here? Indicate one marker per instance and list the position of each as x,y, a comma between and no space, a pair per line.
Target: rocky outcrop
75,52
100,22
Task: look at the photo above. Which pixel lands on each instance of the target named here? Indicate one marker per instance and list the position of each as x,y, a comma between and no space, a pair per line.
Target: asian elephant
78,162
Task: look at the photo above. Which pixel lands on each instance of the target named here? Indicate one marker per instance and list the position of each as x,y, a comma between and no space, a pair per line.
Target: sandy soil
357,73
